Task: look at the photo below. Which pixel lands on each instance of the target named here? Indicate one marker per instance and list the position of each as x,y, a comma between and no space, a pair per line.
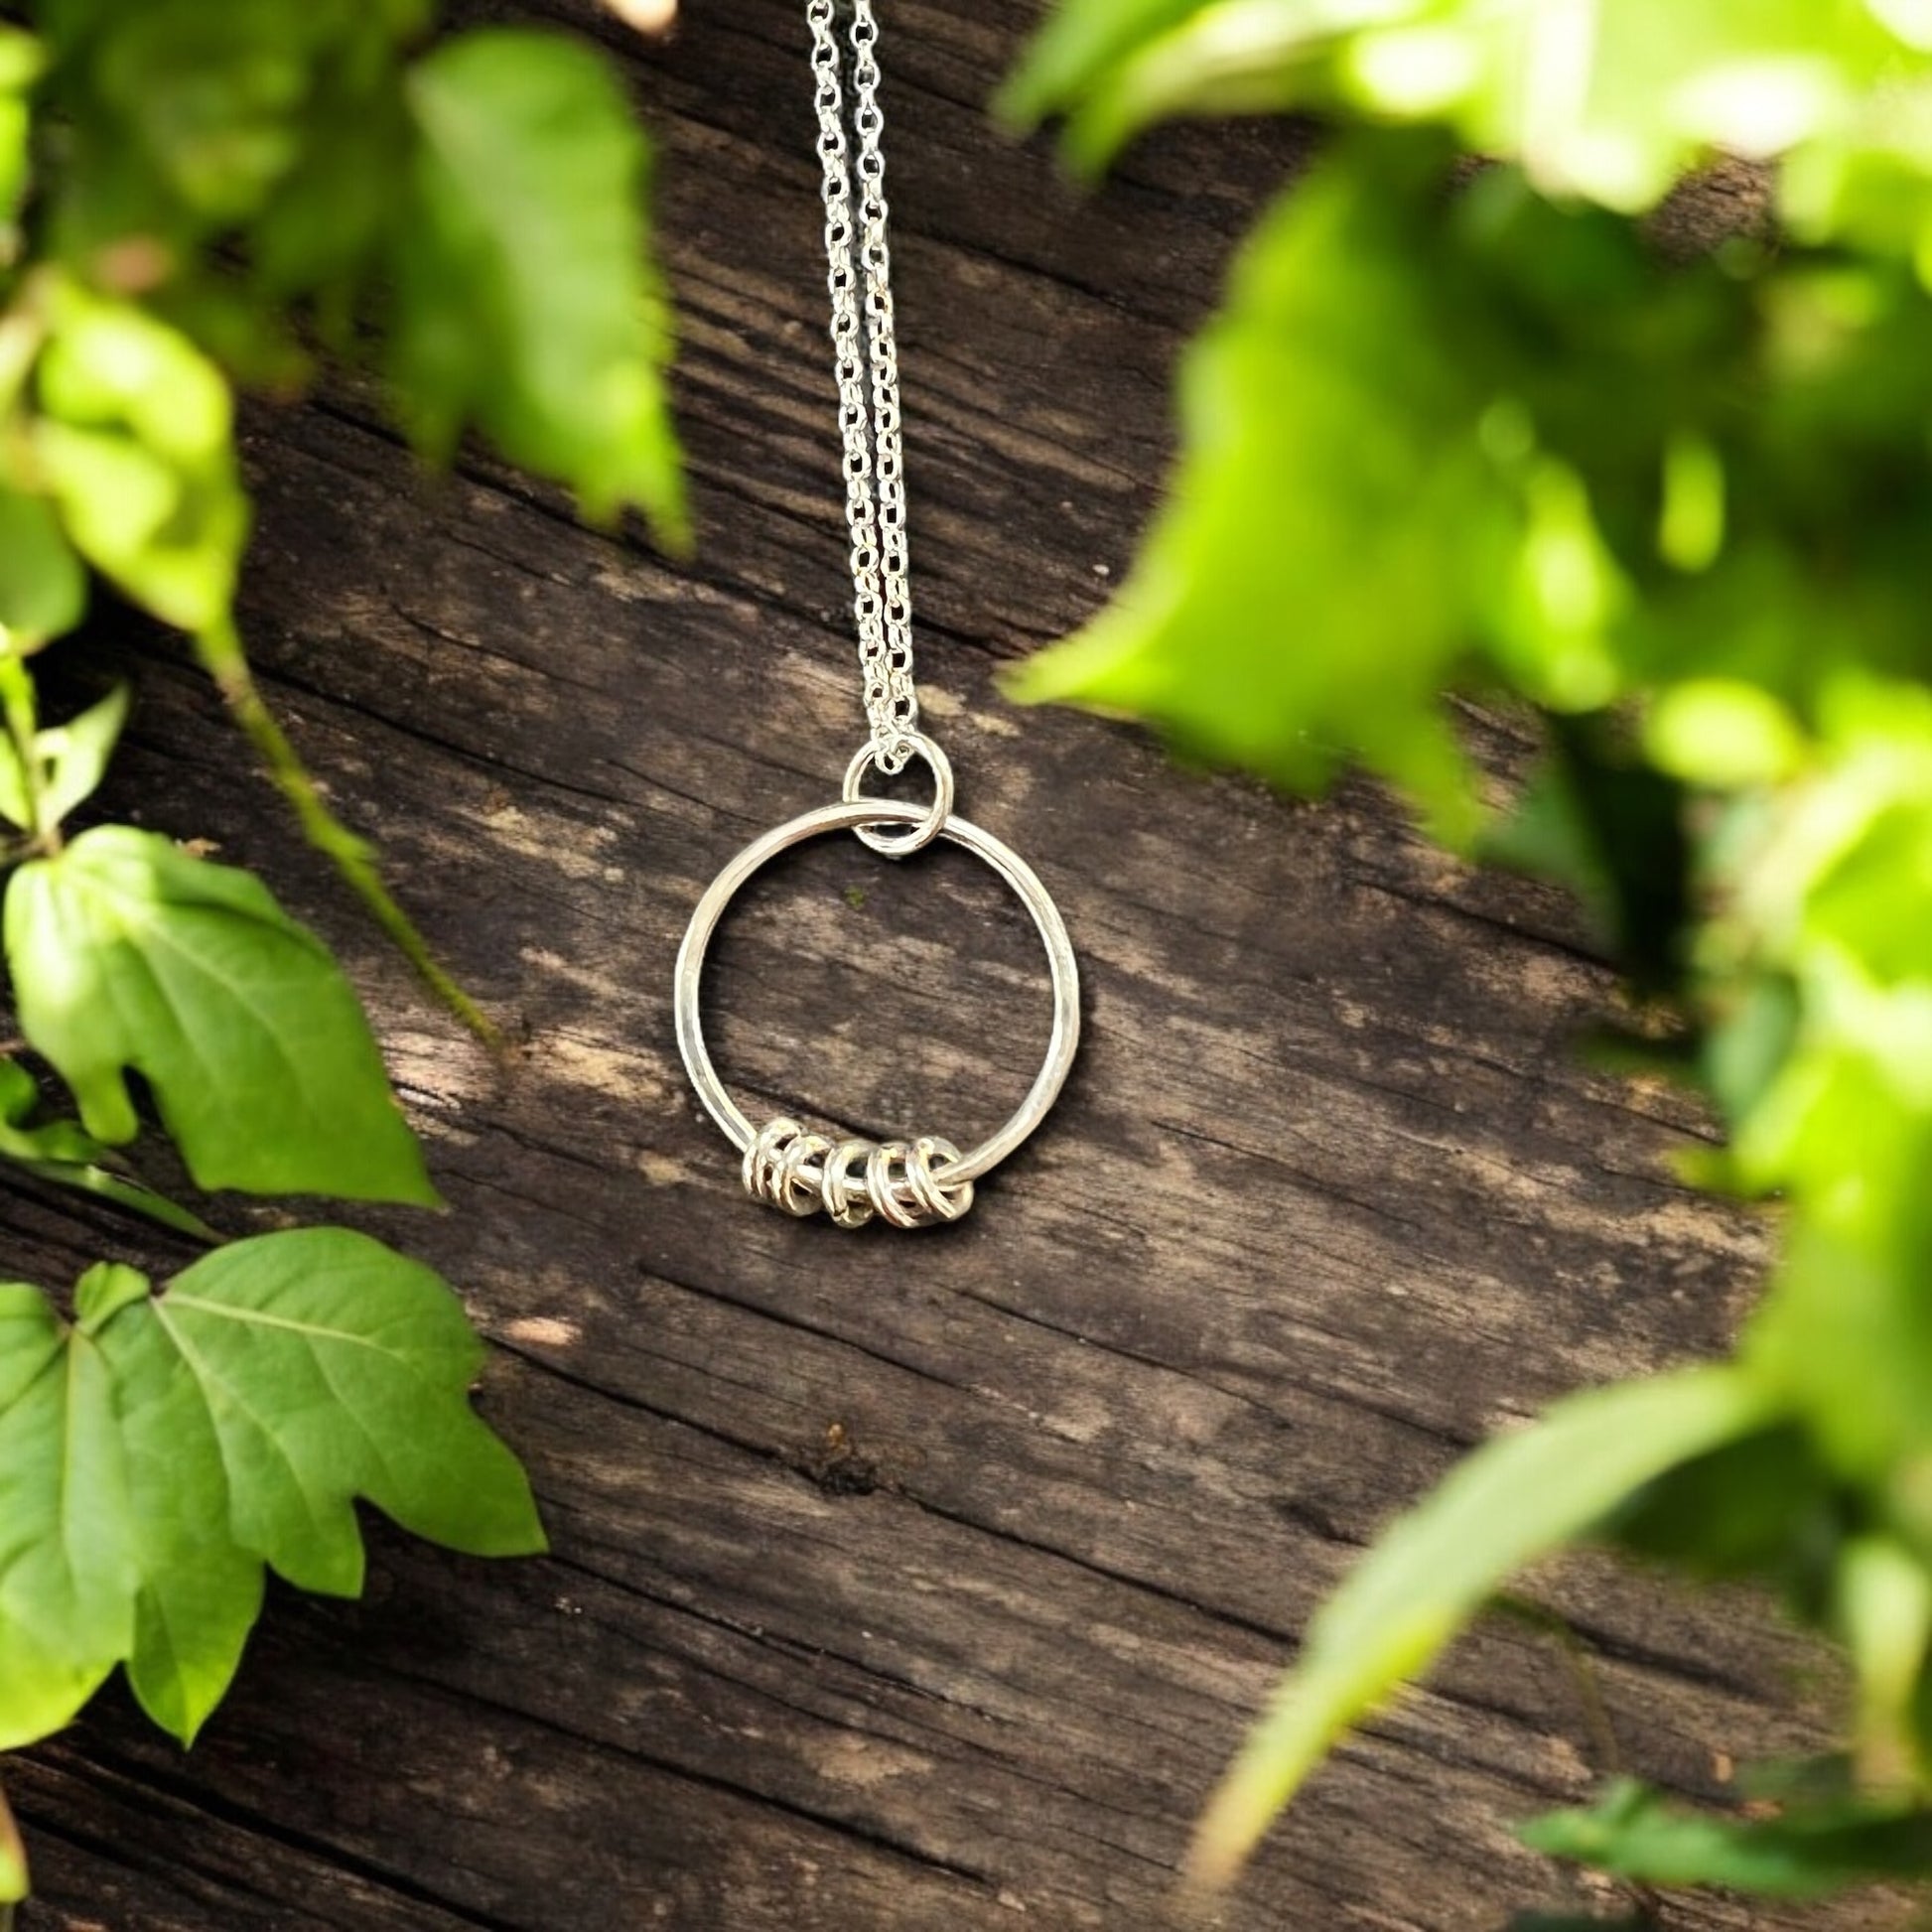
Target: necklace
916,1182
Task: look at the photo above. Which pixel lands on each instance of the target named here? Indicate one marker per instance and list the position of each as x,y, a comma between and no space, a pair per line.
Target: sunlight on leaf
524,301
136,447
127,953
1610,102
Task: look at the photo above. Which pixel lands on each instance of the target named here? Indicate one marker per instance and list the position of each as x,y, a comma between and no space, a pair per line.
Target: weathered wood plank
902,1585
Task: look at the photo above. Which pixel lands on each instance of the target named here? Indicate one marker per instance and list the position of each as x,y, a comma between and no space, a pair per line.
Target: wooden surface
901,1582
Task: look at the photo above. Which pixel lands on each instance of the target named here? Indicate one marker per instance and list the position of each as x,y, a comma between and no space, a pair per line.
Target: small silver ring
931,822
844,816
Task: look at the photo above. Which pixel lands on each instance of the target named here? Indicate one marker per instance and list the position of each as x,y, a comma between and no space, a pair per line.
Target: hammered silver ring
914,1183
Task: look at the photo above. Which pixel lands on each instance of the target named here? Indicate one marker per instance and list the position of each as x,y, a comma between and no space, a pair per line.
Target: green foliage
1614,102
1519,1497
197,194
522,298
64,1153
1635,1832
156,1451
128,952
135,443
1474,430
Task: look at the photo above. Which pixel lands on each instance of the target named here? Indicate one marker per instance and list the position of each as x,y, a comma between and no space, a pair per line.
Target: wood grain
902,1583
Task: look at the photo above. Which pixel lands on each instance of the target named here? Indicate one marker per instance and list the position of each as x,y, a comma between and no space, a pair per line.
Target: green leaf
1634,1832
1328,488
43,587
127,953
77,754
156,1454
186,121
64,1153
1074,50
67,1575
1515,1499
522,298
14,1882
1761,1506
1613,830
137,447
1611,102
21,66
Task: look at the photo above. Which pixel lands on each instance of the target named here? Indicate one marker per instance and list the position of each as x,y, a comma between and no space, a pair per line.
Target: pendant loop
906,1183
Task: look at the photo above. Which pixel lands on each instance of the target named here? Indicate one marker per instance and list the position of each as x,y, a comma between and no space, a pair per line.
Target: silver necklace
914,1183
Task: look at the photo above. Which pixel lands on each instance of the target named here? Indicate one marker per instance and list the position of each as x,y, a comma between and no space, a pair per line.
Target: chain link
863,342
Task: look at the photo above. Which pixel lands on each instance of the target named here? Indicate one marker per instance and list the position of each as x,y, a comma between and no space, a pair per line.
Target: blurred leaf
77,752
137,447
1079,43
1613,829
1329,487
1635,1832
188,122
14,1882
1515,1499
1761,1506
154,1456
129,954
21,64
1722,732
523,299
43,587
1611,102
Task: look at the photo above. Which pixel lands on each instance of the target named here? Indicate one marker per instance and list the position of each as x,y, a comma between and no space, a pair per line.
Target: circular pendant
905,1184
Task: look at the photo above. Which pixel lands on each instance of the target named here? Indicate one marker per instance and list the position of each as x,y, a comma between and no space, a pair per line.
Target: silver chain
861,335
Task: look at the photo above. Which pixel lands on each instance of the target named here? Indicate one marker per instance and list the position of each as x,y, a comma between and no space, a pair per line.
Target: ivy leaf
128,952
136,443
1634,1832
66,1579
522,301
155,1455
1515,1499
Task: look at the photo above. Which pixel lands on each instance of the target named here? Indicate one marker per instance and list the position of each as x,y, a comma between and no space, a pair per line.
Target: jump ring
901,845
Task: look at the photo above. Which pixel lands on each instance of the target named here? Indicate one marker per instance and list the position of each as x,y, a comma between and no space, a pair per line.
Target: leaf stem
222,656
